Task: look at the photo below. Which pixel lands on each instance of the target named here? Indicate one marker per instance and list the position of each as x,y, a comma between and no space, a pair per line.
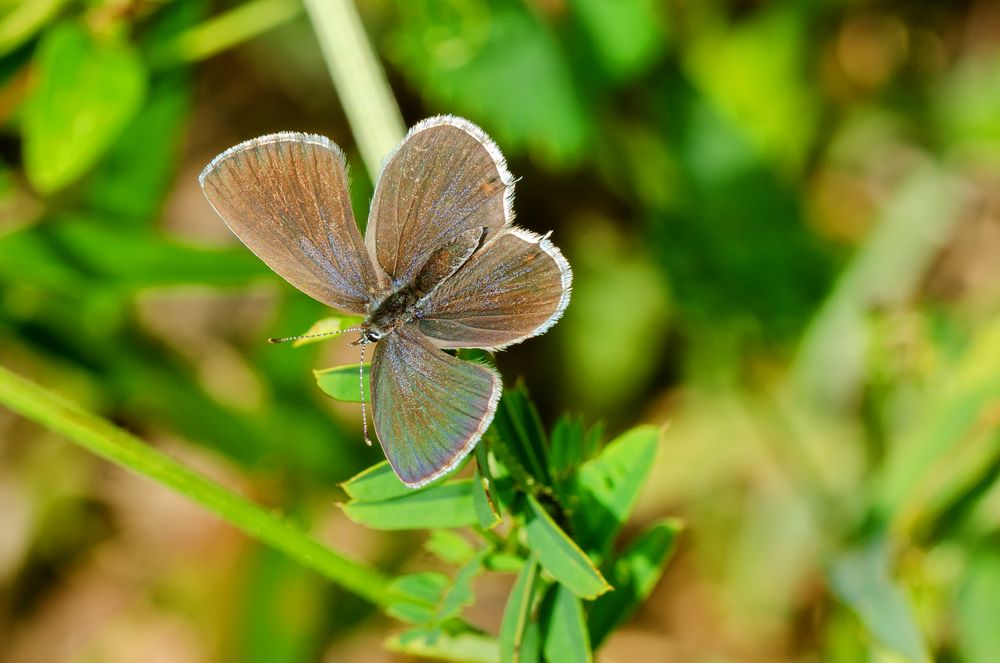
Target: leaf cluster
545,507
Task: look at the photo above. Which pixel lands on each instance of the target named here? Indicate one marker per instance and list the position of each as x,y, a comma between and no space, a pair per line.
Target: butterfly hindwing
429,407
446,178
514,288
285,196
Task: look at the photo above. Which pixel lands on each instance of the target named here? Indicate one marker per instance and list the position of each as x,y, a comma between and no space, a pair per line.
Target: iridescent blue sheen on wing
430,408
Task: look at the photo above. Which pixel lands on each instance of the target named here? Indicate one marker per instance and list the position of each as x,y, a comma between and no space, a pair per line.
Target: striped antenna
296,338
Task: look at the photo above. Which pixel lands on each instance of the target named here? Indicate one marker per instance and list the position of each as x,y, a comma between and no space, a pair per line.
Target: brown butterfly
441,267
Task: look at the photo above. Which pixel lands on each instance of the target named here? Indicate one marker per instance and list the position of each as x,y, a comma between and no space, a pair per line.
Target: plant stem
227,30
364,92
104,439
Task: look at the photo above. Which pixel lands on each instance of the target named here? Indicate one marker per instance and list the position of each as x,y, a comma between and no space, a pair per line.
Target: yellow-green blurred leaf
85,92
860,578
19,23
977,607
329,325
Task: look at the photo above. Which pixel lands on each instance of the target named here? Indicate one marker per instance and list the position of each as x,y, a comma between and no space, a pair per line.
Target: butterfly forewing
447,177
514,288
430,408
285,196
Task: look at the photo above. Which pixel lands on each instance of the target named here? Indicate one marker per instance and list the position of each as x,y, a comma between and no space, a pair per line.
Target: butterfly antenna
361,382
296,338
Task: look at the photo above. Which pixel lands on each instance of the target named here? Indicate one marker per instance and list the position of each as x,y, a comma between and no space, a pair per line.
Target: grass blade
112,443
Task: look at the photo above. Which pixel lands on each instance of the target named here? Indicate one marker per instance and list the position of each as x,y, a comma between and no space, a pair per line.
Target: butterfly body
440,267
405,304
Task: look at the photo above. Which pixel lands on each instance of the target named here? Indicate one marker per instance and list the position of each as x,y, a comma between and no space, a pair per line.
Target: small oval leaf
342,382
444,505
376,484
426,587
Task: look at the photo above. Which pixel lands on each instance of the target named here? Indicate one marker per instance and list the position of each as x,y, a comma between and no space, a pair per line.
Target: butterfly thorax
398,308
403,304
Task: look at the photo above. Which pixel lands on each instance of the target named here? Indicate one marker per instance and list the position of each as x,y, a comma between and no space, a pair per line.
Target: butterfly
441,267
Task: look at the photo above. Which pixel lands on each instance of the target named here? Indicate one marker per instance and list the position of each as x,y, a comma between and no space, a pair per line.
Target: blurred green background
784,222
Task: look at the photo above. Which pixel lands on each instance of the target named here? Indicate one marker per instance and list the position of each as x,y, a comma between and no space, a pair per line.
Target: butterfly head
368,335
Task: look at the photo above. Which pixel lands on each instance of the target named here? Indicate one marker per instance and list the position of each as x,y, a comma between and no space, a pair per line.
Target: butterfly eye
371,335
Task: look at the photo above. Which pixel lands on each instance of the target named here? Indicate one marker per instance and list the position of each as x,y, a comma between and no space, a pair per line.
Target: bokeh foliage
783,222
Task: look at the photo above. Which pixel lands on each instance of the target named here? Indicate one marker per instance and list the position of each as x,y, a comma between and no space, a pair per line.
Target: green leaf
593,440
560,556
567,445
634,575
343,383
491,71
460,594
423,592
531,643
86,92
334,323
566,637
412,613
521,443
860,578
517,613
504,562
143,258
609,485
977,607
627,34
17,25
377,483
960,404
442,505
116,187
435,643
425,587
450,546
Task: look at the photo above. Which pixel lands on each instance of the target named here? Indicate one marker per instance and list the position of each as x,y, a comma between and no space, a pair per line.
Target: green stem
227,30
104,439
364,92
